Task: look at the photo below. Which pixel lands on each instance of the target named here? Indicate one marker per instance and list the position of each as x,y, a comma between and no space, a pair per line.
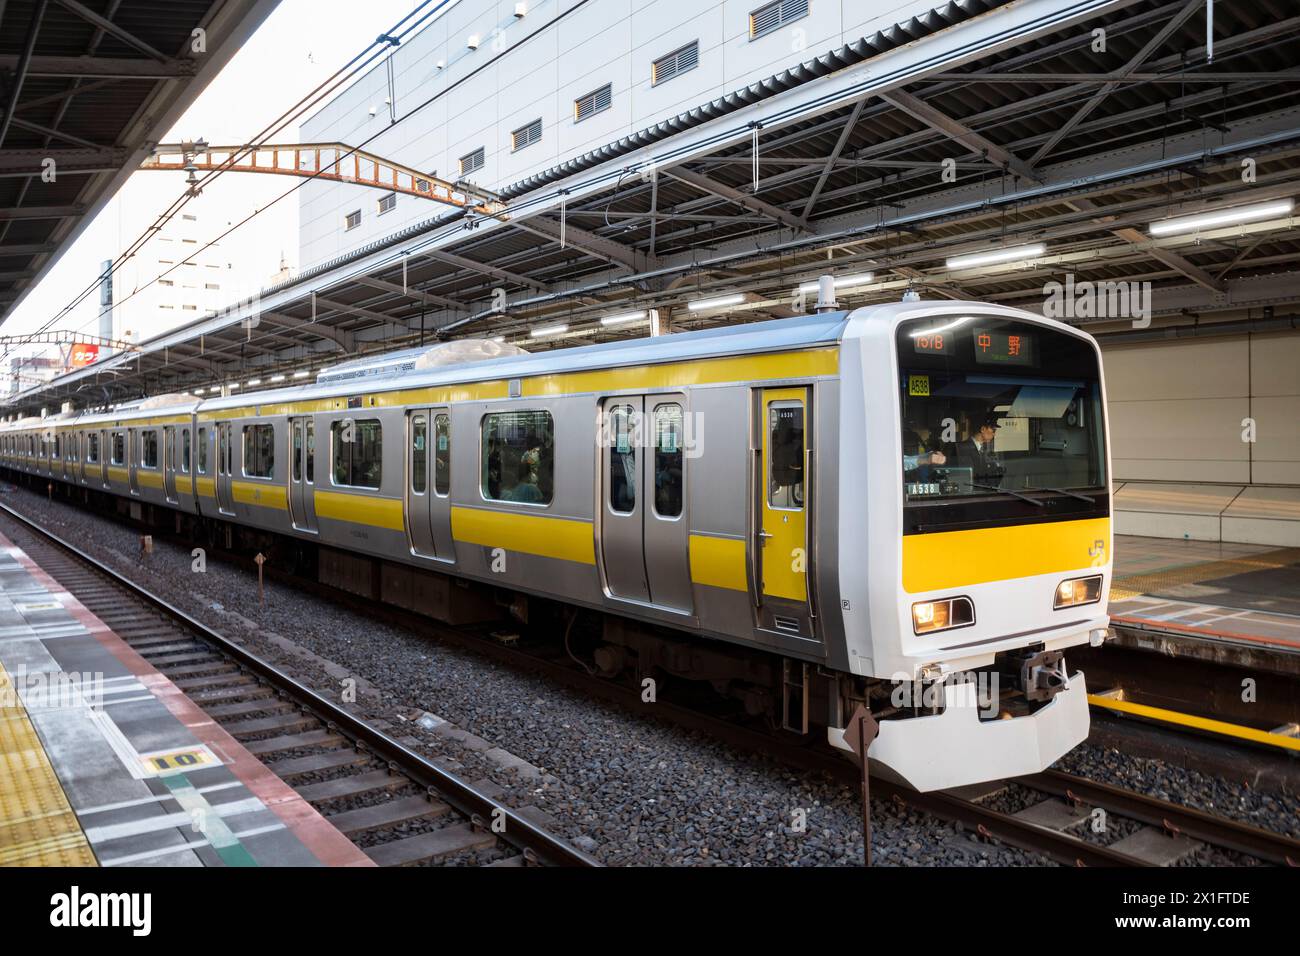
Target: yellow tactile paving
37,826
1136,585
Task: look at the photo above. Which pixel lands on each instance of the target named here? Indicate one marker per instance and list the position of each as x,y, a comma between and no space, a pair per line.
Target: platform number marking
177,761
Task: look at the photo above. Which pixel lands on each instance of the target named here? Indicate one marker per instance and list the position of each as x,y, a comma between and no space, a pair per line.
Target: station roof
948,134
90,85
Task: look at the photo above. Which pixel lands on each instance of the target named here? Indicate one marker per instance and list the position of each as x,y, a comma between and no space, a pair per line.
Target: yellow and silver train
905,506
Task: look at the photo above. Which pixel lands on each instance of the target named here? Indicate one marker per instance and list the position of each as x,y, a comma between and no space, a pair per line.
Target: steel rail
481,809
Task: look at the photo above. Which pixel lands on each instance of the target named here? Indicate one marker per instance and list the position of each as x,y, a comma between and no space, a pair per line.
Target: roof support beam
111,28
40,212
833,158
1166,256
927,114
599,247
426,298
24,64
483,268
57,134
742,199
343,340
398,324
105,67
1173,24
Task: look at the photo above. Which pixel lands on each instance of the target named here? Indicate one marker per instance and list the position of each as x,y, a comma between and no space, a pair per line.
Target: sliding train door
643,534
781,548
225,462
428,485
169,464
302,474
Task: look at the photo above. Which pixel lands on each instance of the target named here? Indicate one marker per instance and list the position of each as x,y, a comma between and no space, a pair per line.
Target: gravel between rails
626,788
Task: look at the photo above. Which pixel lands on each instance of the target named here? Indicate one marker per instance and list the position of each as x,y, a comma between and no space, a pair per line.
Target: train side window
203,451
185,450
785,454
442,455
311,451
58,446
223,443
622,460
358,452
668,461
259,451
149,448
297,451
118,451
518,457
92,448
419,454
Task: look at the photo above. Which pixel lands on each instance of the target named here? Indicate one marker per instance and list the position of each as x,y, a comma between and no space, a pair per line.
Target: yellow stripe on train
954,559
569,539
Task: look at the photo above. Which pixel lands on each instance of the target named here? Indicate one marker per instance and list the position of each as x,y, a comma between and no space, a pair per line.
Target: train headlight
942,615
1077,591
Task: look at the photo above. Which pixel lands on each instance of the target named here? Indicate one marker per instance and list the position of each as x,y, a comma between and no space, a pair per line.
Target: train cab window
419,454
203,451
668,460
358,452
785,453
149,448
259,451
92,448
118,451
441,455
185,450
622,458
518,457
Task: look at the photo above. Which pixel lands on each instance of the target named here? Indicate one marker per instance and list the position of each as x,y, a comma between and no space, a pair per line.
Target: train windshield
1001,418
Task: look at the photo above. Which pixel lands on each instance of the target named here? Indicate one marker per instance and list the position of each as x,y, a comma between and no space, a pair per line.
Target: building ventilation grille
471,162
387,203
594,102
526,135
675,63
773,16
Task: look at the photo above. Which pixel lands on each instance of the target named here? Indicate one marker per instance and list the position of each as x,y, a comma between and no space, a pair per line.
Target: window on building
387,203
526,135
358,452
675,63
419,454
190,308
212,285
203,451
597,101
352,219
259,451
518,457
772,16
441,455
188,217
472,162
149,448
166,282
669,457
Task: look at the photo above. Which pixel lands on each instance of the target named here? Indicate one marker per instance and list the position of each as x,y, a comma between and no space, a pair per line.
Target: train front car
983,490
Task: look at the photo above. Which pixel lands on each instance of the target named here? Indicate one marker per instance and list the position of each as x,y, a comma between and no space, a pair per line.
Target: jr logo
1098,552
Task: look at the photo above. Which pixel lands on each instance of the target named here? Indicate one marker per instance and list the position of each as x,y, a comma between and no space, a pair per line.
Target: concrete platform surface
105,762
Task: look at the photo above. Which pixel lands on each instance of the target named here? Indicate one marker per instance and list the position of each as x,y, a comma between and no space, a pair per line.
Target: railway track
395,805
1057,844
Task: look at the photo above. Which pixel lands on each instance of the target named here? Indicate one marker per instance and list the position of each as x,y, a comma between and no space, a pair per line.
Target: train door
133,459
105,454
782,491
643,528
428,486
302,474
224,478
169,464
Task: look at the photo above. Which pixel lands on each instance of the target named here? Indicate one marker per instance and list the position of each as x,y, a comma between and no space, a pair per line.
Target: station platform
104,762
1243,598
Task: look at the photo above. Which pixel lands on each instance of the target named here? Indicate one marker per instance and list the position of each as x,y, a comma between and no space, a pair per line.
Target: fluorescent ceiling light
301,374
862,278
699,305
1223,217
254,382
548,330
620,319
1012,254
233,385
277,378
498,338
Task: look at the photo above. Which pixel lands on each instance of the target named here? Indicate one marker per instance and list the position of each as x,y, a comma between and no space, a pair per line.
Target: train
902,507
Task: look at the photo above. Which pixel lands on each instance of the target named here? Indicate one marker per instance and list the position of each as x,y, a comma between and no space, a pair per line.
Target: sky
297,47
